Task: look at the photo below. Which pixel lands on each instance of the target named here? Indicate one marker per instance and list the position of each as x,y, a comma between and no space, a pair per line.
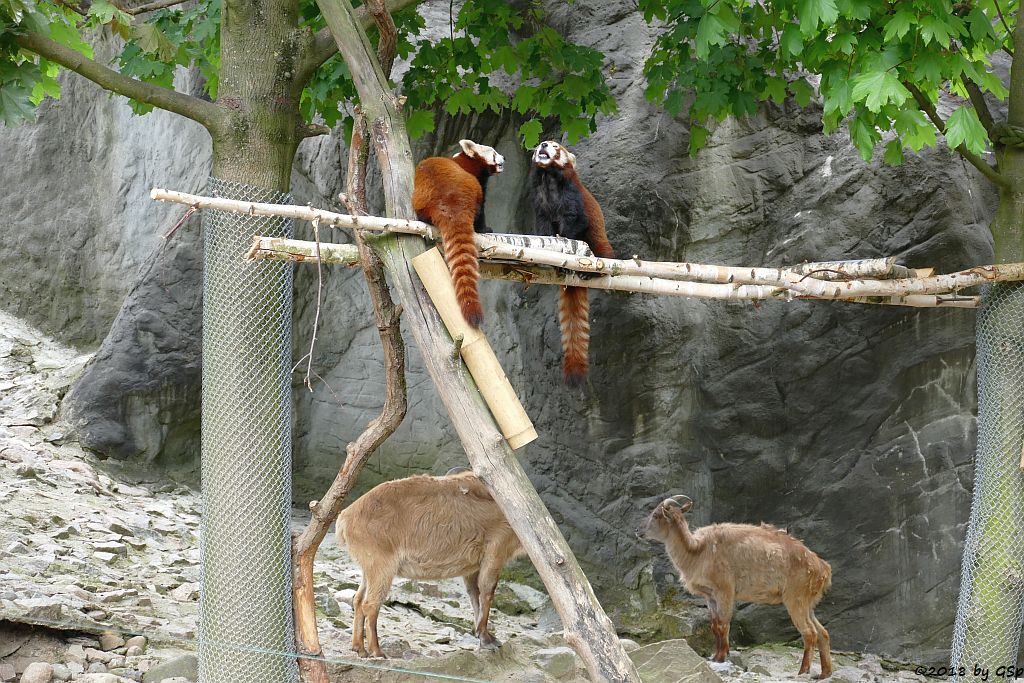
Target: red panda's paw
473,313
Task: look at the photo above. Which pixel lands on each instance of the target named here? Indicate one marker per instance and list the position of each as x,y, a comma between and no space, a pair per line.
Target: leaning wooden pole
587,628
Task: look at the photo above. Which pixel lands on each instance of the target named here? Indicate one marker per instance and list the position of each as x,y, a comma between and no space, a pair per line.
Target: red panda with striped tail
564,207
449,194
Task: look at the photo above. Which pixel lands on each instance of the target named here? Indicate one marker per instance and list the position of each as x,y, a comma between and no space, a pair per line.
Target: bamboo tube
483,365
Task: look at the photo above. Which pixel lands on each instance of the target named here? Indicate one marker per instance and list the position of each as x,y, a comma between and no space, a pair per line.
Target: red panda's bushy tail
447,196
574,318
460,252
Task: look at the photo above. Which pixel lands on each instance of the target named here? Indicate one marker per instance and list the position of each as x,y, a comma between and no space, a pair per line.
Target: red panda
564,207
449,194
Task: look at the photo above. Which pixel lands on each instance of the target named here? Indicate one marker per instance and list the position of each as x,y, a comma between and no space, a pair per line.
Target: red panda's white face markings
495,162
550,153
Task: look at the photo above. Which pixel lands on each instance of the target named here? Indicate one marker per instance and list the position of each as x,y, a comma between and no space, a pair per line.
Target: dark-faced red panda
564,207
449,193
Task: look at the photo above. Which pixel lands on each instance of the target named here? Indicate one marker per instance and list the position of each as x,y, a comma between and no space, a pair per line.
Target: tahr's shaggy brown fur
727,562
425,527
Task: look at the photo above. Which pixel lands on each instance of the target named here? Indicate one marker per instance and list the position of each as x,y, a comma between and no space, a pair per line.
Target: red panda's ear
572,158
468,147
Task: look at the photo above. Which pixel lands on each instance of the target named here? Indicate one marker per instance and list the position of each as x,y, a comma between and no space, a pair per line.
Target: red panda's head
549,153
488,156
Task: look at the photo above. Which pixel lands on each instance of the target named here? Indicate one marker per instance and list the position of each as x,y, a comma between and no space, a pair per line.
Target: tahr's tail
574,318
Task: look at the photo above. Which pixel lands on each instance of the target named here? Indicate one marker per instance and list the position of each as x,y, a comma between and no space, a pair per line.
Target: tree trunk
988,624
246,631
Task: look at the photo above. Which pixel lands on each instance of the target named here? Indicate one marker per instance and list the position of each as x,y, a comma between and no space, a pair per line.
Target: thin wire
70,625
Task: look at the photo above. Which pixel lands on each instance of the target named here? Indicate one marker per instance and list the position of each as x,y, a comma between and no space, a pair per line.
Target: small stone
7,672
186,592
184,667
136,641
111,547
76,668
61,673
445,636
105,557
120,529
18,548
345,596
37,672
628,645
110,640
556,661
134,651
75,653
98,677
94,655
97,668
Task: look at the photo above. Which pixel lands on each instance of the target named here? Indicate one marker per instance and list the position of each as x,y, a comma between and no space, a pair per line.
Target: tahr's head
661,519
487,155
549,153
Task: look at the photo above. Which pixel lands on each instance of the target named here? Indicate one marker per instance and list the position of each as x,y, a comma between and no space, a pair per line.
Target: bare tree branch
311,130
648,277
387,44
324,47
148,7
979,104
206,113
929,109
323,513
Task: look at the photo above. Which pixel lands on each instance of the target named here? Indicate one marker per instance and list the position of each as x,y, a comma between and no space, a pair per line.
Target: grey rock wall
853,426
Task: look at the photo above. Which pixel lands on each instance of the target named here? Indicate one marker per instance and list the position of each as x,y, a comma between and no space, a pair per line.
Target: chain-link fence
245,623
988,620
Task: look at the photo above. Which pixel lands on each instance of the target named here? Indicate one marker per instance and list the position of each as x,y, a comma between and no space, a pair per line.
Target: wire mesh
245,622
989,615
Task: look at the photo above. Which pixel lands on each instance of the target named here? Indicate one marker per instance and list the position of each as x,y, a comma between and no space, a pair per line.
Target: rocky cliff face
852,426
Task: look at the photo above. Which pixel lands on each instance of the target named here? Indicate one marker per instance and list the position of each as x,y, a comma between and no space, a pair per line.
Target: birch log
539,250
343,254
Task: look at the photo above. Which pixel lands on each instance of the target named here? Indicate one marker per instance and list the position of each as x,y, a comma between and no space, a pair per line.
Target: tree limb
929,109
647,278
148,7
206,113
324,47
323,513
387,32
979,104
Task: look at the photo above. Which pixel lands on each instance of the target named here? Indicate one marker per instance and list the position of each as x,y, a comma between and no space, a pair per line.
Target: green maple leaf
813,12
530,132
15,105
419,122
963,127
894,152
878,88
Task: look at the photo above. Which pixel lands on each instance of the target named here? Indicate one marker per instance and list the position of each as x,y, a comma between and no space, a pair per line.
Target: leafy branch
929,109
206,113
